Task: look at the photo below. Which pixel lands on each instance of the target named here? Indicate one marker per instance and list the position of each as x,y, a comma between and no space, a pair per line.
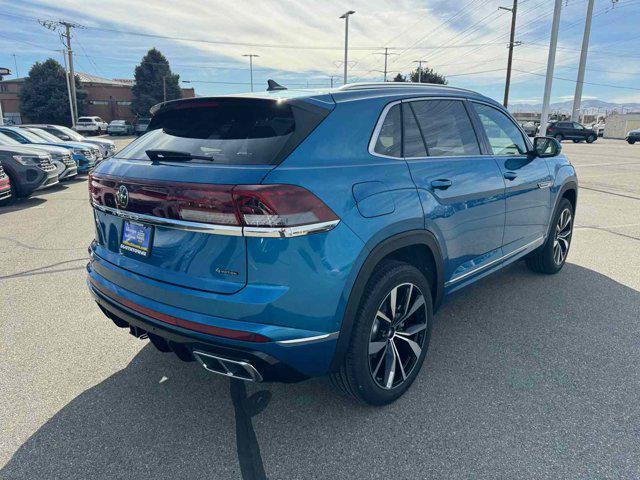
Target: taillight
279,206
258,207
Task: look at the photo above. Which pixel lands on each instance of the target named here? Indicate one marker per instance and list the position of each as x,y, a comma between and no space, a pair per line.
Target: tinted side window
446,128
389,141
503,135
413,141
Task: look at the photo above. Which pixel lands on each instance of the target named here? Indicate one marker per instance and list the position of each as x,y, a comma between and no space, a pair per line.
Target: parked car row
97,126
34,157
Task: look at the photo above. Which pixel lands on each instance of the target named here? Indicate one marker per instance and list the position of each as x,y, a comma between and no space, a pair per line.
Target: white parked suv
91,125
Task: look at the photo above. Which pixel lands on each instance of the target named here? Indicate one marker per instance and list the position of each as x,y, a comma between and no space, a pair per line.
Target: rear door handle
510,175
441,184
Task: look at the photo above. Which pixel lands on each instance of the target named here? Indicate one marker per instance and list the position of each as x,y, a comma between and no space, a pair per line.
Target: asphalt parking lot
528,376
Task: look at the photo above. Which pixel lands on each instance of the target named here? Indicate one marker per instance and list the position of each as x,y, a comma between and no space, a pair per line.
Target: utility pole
551,60
346,41
386,55
577,98
251,56
3,71
72,75
419,62
513,11
66,75
15,64
66,26
164,88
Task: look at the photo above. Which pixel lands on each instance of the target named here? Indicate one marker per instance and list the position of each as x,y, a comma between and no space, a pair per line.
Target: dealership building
109,99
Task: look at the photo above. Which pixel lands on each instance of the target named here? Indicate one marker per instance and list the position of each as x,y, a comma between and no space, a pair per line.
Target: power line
572,80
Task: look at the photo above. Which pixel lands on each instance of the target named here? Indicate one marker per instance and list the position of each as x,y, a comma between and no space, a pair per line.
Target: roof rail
381,85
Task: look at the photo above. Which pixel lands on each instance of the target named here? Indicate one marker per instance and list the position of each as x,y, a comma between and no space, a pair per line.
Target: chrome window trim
388,106
378,127
233,230
493,262
525,137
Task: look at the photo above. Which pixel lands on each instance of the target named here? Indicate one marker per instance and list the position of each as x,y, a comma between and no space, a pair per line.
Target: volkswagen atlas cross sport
291,234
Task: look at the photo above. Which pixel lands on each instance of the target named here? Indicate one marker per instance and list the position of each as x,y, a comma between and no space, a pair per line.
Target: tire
367,376
591,138
631,142
577,141
559,137
545,258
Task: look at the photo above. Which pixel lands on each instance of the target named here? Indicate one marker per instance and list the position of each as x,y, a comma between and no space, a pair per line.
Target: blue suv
291,234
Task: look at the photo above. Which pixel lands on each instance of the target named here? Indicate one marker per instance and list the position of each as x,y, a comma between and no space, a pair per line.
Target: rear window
230,130
85,120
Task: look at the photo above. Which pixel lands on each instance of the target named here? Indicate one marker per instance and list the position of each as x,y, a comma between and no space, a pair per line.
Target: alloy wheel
397,335
563,237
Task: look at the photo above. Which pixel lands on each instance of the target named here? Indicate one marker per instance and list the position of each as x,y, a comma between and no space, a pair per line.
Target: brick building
108,99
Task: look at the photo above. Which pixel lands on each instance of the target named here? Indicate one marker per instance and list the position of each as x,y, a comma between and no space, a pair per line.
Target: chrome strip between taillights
233,230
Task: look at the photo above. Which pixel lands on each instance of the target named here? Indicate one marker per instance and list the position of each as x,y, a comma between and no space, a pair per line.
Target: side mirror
65,137
546,147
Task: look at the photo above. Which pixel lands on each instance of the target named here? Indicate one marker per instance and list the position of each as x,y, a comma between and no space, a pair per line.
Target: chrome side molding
233,230
303,340
539,240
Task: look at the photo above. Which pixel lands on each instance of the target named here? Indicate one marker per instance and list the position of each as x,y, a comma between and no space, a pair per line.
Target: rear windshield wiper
175,156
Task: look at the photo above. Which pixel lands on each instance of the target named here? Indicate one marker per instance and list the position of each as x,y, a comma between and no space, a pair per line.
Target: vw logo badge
122,197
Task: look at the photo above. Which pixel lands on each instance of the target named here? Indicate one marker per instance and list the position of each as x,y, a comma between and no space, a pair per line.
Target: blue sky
300,42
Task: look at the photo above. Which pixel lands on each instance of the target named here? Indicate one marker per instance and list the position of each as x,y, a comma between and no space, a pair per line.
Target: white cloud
312,24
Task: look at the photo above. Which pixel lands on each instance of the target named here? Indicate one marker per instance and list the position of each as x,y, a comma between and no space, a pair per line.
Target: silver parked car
120,127
107,147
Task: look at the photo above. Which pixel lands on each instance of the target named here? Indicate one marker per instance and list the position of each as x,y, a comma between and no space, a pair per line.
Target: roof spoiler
273,86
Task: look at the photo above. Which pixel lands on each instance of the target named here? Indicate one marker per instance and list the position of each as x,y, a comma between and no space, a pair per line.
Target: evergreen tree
148,88
44,97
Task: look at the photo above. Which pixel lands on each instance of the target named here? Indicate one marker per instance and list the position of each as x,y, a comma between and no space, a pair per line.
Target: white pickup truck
91,125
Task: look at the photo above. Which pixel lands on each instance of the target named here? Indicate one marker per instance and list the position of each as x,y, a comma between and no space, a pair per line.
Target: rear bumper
287,356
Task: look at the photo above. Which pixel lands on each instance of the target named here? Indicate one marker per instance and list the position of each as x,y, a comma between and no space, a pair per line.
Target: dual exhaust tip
227,367
222,366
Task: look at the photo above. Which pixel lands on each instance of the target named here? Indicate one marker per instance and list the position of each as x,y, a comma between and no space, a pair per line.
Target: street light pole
346,41
551,60
577,98
3,71
251,55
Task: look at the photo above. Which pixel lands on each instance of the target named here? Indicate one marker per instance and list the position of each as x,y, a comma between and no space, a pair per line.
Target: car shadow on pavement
22,203
527,376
